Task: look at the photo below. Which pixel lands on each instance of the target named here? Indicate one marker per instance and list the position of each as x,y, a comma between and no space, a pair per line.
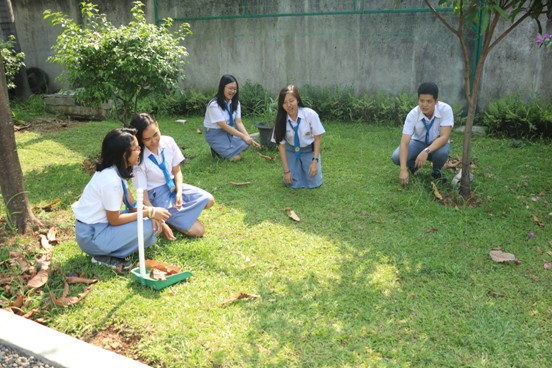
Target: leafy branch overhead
121,64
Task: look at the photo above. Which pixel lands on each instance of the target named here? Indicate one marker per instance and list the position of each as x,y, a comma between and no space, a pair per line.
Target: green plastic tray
158,284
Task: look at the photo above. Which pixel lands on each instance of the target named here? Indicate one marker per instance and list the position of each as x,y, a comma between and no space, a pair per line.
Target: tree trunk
11,180
7,19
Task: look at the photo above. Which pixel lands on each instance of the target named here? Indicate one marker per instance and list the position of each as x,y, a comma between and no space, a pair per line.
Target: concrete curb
56,348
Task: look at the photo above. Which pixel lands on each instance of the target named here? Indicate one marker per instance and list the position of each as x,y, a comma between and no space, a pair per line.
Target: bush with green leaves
513,117
120,64
12,60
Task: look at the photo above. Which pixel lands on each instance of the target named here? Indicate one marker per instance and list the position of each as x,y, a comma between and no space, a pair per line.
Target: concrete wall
389,52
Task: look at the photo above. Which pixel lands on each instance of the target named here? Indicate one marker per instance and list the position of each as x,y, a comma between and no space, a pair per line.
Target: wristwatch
427,150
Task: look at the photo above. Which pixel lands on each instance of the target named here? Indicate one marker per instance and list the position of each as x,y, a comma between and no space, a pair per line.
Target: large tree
11,179
486,16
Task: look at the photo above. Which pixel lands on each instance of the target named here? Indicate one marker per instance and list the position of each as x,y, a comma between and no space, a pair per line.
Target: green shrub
512,117
12,60
195,102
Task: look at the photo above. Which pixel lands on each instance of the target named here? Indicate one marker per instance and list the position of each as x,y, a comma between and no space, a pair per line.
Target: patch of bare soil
117,340
48,124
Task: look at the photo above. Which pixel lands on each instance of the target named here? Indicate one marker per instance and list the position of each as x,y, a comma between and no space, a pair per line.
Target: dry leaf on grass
41,277
240,184
65,300
432,230
266,157
51,235
537,221
436,192
238,297
18,302
79,280
198,131
44,242
500,257
548,265
48,207
292,215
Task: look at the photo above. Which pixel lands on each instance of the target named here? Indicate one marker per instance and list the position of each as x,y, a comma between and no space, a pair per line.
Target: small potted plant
266,127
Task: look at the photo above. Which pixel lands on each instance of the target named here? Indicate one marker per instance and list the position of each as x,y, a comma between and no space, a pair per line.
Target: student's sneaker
112,262
437,176
214,154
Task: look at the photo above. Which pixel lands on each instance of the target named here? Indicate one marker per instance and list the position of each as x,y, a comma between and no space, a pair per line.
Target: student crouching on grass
158,173
102,230
224,130
298,132
425,135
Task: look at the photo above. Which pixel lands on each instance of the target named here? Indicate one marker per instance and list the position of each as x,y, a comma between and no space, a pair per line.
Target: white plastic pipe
140,221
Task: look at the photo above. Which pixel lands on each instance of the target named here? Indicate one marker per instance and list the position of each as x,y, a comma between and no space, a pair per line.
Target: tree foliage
12,60
120,64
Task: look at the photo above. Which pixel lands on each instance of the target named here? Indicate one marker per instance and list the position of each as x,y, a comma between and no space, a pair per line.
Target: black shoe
112,262
214,154
438,177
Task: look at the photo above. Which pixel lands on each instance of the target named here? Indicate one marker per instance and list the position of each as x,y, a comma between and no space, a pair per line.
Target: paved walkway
56,348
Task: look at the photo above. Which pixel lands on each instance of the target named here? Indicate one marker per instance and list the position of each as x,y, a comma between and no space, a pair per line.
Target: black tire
38,80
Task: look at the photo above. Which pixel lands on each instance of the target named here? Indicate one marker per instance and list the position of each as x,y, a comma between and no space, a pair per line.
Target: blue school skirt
226,145
120,241
194,200
299,168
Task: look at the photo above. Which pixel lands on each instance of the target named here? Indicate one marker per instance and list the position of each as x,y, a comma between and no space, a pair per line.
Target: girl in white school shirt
158,173
298,132
224,130
102,230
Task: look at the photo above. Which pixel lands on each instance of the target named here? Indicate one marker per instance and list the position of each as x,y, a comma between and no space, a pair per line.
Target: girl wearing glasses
102,230
158,173
224,130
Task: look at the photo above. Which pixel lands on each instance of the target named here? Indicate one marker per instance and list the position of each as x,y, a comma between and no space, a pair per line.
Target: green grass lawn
358,282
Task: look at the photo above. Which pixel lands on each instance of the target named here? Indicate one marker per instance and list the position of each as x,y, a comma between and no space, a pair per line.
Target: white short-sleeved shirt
104,192
215,114
148,175
309,127
414,126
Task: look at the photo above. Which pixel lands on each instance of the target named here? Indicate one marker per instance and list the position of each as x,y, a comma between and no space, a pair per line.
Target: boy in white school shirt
425,135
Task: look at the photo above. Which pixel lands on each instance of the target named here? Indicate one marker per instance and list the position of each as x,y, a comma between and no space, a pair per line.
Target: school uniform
423,132
223,143
150,176
299,159
95,236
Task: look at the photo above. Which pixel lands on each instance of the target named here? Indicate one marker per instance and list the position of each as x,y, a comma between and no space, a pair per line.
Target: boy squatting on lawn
425,135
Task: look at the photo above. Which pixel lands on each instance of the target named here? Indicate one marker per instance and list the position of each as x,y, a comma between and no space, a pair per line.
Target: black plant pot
265,132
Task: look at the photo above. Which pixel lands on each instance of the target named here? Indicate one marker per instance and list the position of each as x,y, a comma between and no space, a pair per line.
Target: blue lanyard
229,109
125,197
296,142
163,167
428,128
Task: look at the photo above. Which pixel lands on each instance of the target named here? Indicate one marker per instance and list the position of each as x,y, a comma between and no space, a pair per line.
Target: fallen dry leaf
269,158
538,222
500,256
156,274
41,277
198,131
162,266
548,265
436,192
48,207
79,280
432,230
240,184
238,297
65,301
51,235
44,242
18,302
292,215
